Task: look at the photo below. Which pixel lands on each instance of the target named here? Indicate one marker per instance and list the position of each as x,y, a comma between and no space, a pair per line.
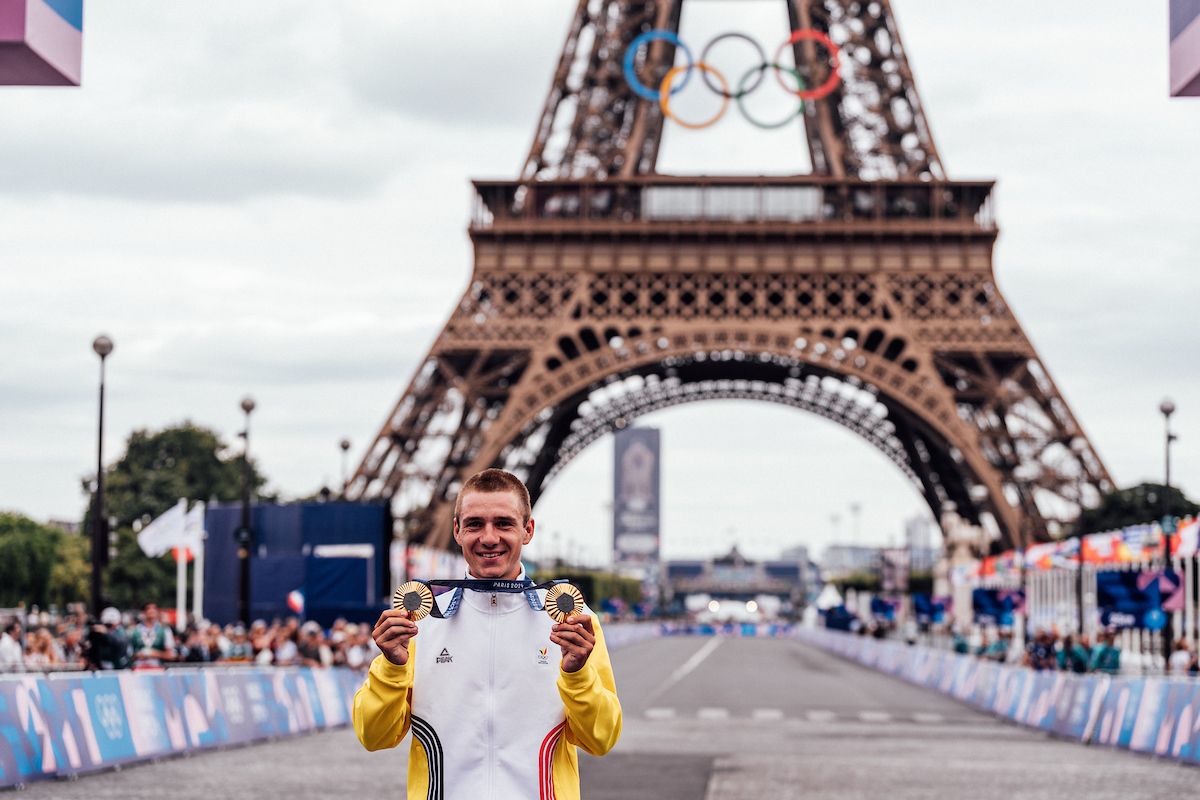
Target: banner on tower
635,496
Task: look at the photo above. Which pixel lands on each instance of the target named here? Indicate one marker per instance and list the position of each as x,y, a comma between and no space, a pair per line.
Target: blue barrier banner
1185,739
1119,712
63,725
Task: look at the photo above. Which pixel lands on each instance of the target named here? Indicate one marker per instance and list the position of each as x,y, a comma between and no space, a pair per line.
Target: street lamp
244,536
102,345
1167,408
344,444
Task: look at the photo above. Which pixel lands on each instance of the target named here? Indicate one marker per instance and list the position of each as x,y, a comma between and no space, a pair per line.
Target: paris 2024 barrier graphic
1158,716
67,724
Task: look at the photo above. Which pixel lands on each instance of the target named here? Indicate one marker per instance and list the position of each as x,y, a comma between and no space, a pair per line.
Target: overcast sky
272,197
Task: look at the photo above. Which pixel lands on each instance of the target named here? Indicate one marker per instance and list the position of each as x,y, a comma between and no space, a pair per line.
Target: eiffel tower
863,292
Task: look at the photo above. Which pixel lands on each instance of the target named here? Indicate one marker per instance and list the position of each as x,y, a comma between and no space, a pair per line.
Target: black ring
762,59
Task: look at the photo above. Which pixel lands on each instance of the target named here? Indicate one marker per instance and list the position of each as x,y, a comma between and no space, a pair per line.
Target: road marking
874,716
767,714
686,667
925,716
820,716
660,713
713,713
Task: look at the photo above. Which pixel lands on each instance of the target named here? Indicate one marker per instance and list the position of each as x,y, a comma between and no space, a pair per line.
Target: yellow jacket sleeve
590,699
383,704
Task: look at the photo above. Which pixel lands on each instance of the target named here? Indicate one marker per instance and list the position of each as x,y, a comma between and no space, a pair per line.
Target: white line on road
660,713
686,667
925,716
820,716
767,714
713,713
874,716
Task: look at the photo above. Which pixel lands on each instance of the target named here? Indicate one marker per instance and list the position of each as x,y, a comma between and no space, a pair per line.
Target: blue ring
631,77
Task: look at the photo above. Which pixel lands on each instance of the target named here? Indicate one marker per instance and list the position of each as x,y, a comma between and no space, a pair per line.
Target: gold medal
562,601
415,598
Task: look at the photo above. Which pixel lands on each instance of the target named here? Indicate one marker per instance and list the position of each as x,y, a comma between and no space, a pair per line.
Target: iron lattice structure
863,292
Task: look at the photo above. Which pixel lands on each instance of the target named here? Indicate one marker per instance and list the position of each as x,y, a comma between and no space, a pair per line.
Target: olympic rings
631,77
760,69
835,63
762,58
664,96
667,87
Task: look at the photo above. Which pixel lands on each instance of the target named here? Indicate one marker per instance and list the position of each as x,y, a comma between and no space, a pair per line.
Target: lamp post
1167,408
344,444
244,535
102,345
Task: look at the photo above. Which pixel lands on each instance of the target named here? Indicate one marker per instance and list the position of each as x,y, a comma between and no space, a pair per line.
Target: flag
1188,538
165,532
193,526
295,601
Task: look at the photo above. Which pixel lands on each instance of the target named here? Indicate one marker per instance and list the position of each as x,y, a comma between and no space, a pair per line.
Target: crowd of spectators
1047,650
42,643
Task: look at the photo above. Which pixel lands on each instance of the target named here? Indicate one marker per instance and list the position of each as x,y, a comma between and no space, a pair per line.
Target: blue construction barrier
1159,716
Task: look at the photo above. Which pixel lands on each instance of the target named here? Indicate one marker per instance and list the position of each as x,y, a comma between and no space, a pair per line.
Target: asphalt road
717,719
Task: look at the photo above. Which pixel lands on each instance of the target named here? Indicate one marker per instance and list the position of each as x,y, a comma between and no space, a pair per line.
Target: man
12,654
491,717
152,641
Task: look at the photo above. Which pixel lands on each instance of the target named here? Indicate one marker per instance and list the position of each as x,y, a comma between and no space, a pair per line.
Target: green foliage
71,575
133,578
920,583
157,469
597,585
28,551
1137,504
859,581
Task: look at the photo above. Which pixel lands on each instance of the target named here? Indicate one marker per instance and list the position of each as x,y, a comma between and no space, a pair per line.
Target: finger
578,630
574,640
581,619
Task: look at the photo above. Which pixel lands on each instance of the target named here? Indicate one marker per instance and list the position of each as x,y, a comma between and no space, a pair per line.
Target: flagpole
198,577
180,588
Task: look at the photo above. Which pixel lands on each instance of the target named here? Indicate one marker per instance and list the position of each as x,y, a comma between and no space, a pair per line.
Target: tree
28,551
157,469
1142,503
71,575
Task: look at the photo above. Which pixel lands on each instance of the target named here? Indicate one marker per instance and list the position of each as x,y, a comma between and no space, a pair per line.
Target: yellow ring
664,96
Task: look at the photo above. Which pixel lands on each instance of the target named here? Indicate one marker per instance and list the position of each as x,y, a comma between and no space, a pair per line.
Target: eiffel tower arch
863,292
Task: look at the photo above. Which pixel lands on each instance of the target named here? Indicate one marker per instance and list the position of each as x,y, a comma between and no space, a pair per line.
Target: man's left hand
574,635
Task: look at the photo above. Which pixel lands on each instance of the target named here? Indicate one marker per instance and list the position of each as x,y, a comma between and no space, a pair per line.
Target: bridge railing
718,201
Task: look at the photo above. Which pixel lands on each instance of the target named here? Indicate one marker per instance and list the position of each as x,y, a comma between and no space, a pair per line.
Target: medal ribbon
526,586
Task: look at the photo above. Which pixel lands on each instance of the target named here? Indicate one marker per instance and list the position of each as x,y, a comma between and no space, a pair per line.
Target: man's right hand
391,634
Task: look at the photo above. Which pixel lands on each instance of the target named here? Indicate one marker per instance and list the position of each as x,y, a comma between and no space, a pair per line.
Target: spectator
240,648
998,650
108,646
43,652
1106,656
1078,654
152,641
194,649
312,649
72,647
286,650
1181,659
12,654
1040,652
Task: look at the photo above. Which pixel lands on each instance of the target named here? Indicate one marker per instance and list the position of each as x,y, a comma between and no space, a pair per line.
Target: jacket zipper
491,715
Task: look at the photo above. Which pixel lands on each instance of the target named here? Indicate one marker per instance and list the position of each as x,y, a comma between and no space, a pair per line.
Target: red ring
822,91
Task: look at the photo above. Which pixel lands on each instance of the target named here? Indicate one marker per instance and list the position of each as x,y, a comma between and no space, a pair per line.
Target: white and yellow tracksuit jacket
493,715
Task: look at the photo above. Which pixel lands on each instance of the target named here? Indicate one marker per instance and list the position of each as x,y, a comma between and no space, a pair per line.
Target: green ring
740,94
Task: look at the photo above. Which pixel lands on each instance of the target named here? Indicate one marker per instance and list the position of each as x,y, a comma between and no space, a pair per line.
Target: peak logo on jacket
444,657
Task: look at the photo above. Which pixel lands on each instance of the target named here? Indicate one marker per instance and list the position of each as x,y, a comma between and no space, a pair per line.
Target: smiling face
491,529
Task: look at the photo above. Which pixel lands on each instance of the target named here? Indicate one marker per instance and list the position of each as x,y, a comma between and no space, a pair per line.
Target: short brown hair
496,480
